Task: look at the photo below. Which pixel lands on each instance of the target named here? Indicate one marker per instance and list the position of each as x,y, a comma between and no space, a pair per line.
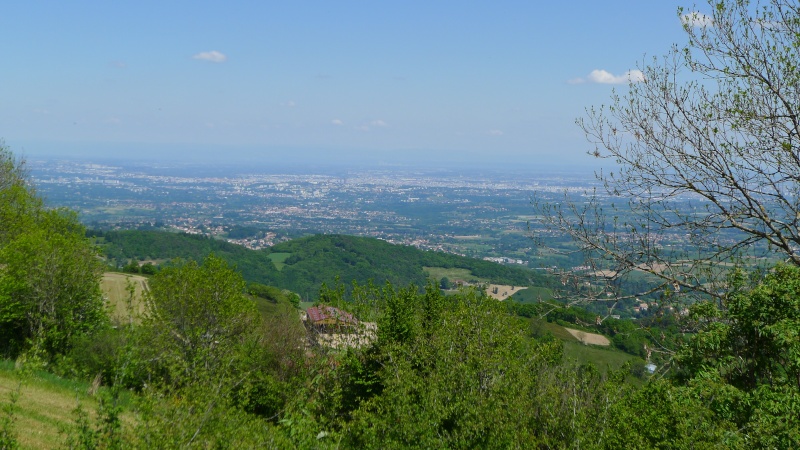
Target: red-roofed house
326,316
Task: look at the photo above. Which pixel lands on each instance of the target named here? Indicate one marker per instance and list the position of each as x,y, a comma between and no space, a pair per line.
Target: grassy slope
45,406
278,259
602,357
114,286
452,274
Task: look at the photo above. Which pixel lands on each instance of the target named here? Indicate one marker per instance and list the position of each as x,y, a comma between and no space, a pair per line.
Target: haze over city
266,82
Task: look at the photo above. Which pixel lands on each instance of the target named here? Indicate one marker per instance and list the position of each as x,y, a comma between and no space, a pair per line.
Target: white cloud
604,77
337,122
495,133
289,104
378,123
212,56
697,20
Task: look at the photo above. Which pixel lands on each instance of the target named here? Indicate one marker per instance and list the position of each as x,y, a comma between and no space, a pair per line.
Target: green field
534,294
558,331
452,274
278,259
603,357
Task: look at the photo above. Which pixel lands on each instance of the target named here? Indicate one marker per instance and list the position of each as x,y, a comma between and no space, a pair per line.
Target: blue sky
436,80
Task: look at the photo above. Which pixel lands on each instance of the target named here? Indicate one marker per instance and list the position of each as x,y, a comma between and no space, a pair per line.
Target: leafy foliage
745,356
197,316
49,274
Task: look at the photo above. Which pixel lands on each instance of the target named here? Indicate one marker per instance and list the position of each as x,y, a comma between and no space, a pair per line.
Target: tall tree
707,146
18,201
49,273
197,316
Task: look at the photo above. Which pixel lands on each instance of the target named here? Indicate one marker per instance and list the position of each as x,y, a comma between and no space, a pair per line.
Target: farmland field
502,291
589,338
278,259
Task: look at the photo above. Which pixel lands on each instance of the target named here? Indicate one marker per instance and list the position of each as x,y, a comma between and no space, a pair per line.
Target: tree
213,357
148,268
198,316
131,267
707,145
742,363
49,273
18,200
50,289
754,339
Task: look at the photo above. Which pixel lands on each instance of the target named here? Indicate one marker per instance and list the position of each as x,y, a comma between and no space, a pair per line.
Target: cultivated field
502,291
589,338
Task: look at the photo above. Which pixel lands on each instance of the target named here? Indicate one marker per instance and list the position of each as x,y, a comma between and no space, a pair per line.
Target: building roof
322,313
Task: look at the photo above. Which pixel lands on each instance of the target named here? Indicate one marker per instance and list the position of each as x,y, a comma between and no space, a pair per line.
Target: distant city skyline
475,82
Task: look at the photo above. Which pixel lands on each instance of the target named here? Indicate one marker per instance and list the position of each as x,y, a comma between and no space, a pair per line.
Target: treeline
312,261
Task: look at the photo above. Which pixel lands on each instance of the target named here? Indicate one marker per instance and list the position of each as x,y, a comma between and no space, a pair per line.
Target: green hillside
303,265
121,246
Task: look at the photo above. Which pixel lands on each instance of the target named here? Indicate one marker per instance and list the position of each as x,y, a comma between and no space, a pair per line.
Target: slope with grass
44,411
121,301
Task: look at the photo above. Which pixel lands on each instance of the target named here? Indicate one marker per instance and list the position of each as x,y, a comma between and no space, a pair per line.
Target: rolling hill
306,263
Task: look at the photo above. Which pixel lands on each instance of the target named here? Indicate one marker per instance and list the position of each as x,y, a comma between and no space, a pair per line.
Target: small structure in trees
332,327
329,318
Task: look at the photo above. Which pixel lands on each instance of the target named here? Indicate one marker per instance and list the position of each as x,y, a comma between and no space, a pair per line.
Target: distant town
481,215
485,215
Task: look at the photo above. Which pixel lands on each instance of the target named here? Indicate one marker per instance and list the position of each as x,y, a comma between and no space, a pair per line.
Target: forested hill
308,262
312,260
121,246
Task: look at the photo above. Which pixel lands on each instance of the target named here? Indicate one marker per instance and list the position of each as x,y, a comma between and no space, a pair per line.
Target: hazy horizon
346,83
307,159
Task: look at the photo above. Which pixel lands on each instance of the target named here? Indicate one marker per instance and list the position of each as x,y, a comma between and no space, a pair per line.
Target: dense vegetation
122,246
322,258
49,274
